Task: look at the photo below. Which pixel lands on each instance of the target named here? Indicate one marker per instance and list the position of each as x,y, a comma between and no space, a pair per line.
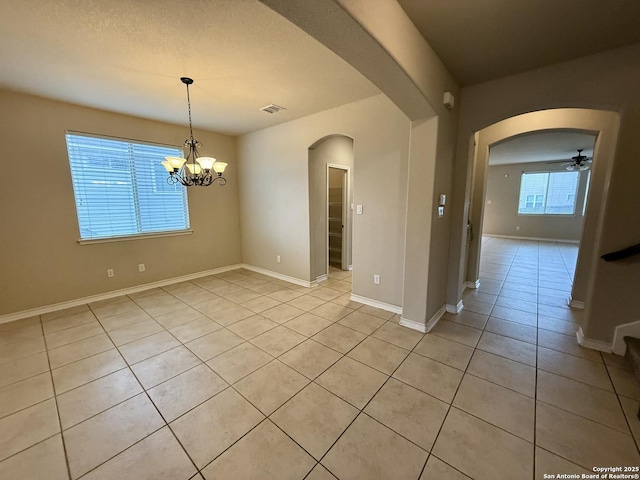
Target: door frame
345,216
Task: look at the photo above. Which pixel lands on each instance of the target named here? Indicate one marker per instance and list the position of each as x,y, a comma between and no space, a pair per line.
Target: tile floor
240,376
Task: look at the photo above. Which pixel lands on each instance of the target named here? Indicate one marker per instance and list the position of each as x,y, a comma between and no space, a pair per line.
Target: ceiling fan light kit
578,162
193,170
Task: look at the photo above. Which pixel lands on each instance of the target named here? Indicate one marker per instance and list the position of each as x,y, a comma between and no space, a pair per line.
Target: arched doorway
603,124
330,202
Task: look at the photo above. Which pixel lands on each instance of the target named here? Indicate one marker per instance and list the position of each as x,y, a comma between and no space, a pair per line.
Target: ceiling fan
579,162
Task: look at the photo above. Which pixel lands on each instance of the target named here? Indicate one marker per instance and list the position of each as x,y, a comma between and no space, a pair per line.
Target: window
120,188
548,193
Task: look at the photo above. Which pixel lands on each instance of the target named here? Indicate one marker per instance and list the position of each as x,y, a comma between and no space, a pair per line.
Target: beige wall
501,215
384,45
274,196
41,262
337,150
611,84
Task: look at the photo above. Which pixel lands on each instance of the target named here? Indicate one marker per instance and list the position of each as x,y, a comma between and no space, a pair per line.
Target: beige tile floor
240,376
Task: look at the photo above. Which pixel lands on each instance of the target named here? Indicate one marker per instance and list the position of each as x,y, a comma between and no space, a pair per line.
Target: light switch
443,199
358,209
440,211
488,202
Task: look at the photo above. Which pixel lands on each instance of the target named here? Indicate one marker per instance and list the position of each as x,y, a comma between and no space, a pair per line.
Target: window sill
126,238
563,215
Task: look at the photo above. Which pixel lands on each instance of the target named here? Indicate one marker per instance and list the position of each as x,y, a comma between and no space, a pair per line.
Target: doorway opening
603,125
535,191
330,201
337,203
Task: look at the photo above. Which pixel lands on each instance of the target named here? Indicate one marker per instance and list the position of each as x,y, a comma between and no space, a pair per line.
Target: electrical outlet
376,279
358,209
110,272
518,227
141,267
278,258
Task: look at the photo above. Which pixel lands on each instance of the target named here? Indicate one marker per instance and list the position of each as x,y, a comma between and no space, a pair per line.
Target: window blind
121,188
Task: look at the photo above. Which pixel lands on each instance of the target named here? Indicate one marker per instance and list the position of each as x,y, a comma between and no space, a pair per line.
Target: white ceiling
545,146
480,40
128,55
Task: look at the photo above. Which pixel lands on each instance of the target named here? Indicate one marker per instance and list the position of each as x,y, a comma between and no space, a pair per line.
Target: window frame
134,198
545,195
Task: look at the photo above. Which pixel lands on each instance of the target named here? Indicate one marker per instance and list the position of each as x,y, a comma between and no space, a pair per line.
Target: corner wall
274,196
41,262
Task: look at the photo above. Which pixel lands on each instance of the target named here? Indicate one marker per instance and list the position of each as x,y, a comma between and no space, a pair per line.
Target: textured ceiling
480,40
545,146
127,56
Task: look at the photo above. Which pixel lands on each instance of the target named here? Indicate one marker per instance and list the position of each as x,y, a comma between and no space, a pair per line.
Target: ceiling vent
273,108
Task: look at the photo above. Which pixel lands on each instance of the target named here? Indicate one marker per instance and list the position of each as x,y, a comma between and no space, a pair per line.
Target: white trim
473,285
539,239
625,330
10,317
454,308
419,326
577,304
127,238
376,303
280,276
321,278
591,343
422,327
436,318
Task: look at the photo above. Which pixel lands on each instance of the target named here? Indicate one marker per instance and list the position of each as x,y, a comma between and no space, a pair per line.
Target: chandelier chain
189,105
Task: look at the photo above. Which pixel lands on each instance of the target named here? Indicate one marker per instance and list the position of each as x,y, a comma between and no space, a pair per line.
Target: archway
332,151
603,124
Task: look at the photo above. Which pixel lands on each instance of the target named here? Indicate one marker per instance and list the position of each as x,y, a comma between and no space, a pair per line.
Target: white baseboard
321,278
577,304
419,326
626,330
280,276
473,285
454,308
538,239
376,303
424,327
591,343
10,317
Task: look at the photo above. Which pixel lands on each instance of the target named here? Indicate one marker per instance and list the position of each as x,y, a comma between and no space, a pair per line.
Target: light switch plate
443,199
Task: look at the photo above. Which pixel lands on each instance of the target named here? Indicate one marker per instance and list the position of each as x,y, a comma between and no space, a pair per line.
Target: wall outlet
518,227
141,267
440,211
358,209
110,272
278,258
376,279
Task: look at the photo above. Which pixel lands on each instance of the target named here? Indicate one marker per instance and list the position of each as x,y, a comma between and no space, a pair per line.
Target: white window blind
120,188
548,193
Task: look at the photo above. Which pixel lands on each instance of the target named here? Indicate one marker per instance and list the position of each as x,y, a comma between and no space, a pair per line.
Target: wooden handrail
621,254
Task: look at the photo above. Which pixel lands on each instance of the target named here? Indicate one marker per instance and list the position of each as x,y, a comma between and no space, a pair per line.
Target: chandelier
194,170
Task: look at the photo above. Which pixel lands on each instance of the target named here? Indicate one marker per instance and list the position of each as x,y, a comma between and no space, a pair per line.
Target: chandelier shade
193,170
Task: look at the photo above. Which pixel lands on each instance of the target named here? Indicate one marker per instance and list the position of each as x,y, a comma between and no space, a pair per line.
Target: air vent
273,108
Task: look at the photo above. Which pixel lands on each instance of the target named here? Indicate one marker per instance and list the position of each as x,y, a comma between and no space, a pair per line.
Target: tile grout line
55,399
